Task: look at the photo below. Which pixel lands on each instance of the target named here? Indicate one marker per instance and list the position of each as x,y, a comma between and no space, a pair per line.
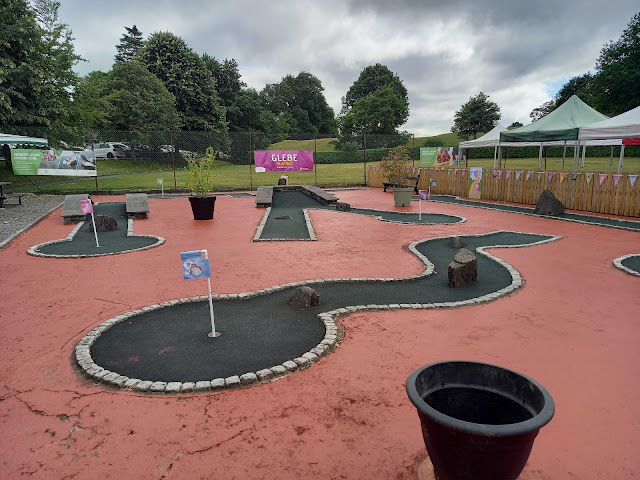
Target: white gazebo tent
624,126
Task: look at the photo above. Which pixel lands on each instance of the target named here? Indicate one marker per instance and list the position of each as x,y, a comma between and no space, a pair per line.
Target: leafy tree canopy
186,76
36,67
138,101
515,125
479,114
617,77
299,105
371,79
227,78
130,43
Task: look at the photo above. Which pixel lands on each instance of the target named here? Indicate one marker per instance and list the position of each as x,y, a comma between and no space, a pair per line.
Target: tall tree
299,102
479,114
376,103
57,57
186,76
90,106
580,85
130,43
227,78
138,101
20,72
617,78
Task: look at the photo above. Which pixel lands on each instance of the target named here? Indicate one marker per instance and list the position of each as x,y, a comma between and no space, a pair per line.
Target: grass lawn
118,175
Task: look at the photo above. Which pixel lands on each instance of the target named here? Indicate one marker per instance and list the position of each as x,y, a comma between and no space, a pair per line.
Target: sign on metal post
195,265
422,195
161,183
87,207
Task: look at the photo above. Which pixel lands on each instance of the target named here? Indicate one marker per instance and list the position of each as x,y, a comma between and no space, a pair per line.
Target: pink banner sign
283,160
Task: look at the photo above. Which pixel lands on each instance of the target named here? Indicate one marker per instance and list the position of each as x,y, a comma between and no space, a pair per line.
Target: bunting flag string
551,174
632,179
455,171
540,174
589,176
563,175
508,174
603,177
616,179
529,173
518,175
495,173
574,175
430,170
499,174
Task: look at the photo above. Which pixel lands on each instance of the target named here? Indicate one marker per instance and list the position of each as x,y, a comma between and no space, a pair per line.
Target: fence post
173,158
365,157
250,173
96,177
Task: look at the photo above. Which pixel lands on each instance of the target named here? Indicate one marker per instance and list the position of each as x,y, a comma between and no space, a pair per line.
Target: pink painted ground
573,327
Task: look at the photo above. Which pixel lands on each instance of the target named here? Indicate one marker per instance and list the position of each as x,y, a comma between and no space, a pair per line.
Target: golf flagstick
213,333
87,207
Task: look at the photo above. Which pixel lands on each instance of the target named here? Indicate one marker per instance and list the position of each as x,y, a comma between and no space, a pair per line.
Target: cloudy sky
519,53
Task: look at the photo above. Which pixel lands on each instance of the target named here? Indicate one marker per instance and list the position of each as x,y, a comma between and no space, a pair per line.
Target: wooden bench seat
137,205
411,180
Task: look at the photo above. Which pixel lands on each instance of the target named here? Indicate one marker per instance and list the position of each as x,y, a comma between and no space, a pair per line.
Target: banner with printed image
475,182
53,162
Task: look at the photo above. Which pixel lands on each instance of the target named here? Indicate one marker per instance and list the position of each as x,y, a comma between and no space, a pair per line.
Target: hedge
532,152
373,155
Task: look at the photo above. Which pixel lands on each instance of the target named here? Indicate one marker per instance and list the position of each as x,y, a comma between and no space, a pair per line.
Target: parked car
110,150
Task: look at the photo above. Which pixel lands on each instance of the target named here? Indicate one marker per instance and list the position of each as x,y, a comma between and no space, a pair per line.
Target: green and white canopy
562,124
21,140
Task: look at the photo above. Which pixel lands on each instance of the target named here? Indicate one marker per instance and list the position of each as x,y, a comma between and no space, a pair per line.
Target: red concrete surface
573,327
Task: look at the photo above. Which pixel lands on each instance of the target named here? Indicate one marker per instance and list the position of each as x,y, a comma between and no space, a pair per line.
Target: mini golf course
81,241
168,344
287,220
385,311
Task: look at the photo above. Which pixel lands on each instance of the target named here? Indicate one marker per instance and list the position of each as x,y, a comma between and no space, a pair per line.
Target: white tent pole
576,154
495,155
621,157
564,153
611,159
584,151
540,157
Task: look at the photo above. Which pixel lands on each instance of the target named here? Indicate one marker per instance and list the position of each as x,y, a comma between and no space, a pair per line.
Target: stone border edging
550,217
34,249
326,346
618,263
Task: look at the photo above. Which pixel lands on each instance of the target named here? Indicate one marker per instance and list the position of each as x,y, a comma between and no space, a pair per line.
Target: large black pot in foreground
479,421
202,207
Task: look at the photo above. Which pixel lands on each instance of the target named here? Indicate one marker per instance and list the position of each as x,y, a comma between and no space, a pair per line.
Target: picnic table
4,196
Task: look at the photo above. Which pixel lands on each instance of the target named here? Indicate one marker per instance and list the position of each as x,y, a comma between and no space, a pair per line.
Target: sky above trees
518,54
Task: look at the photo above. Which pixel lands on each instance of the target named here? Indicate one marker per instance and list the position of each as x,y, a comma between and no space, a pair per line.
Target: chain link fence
153,161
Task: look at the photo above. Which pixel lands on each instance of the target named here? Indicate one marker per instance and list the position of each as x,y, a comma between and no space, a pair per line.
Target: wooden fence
611,193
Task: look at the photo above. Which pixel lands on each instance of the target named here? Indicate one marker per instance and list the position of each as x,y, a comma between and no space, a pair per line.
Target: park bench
71,211
137,205
11,195
410,179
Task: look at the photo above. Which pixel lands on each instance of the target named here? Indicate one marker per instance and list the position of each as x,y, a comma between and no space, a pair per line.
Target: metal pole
564,153
94,156
611,159
250,173
621,158
95,232
213,333
413,144
365,157
173,158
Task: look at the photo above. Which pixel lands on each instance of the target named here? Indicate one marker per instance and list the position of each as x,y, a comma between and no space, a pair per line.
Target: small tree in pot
394,169
200,181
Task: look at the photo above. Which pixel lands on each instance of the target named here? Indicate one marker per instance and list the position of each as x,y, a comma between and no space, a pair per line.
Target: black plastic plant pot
479,421
202,207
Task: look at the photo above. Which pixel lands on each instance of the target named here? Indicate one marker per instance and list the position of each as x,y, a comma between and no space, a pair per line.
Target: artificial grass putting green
171,344
84,242
286,219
